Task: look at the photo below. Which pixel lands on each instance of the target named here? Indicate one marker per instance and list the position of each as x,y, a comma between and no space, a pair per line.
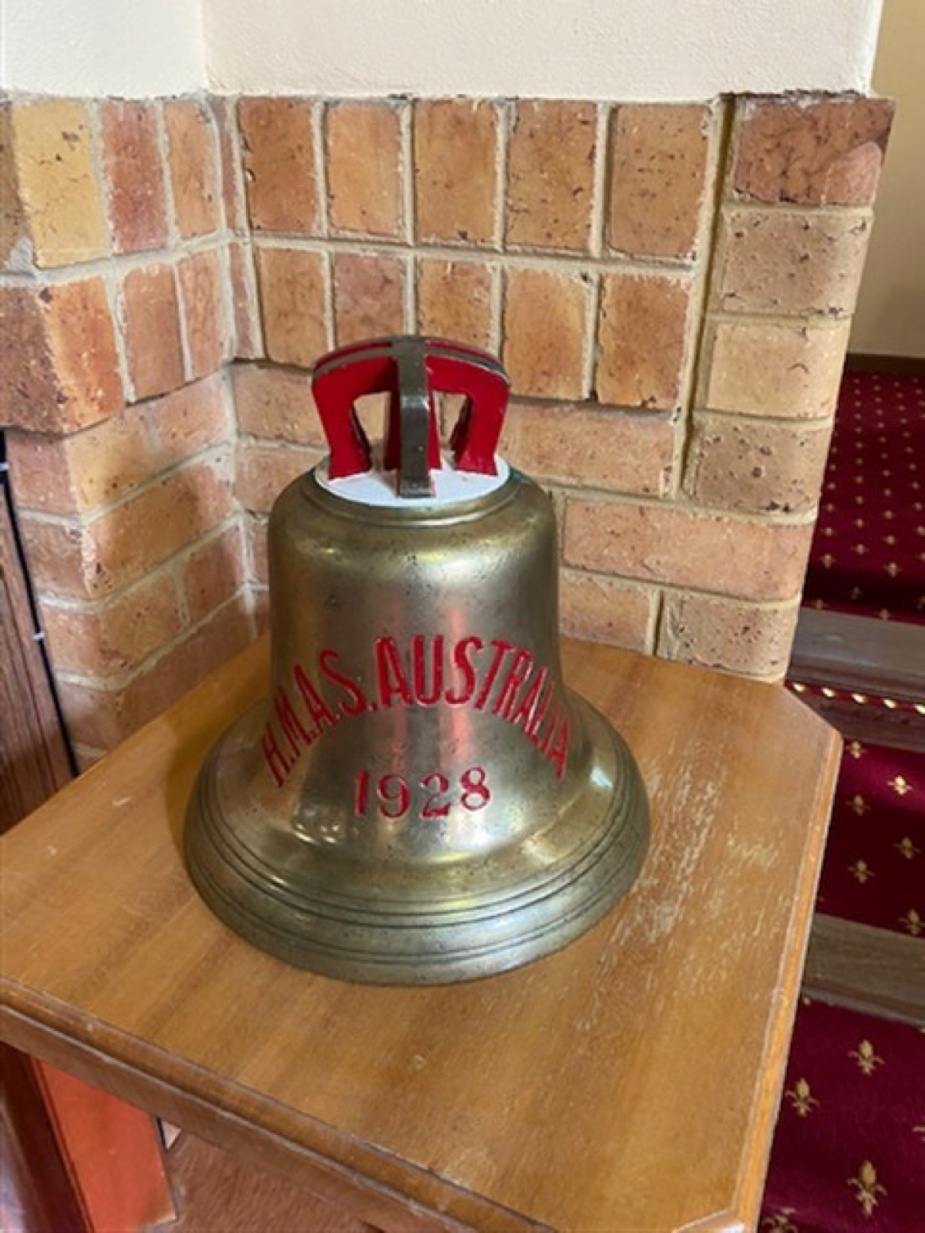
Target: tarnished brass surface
420,799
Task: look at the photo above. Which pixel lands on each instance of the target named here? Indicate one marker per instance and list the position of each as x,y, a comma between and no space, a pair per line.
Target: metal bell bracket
411,369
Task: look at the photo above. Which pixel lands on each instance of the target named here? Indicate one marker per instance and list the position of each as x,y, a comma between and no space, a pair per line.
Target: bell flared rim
359,929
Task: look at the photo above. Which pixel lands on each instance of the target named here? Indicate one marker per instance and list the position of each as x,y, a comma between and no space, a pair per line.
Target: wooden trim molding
883,658
866,969
895,365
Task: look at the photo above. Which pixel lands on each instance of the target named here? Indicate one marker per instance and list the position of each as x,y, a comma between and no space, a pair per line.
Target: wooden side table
628,1084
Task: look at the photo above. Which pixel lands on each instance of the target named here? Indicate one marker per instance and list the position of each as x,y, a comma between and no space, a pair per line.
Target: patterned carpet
868,553
849,1151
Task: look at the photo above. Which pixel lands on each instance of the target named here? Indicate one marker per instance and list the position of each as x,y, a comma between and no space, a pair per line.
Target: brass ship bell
419,799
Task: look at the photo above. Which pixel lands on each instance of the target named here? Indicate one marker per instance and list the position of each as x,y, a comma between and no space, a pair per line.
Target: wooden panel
112,1151
883,658
33,756
221,1192
868,969
630,1081
37,1195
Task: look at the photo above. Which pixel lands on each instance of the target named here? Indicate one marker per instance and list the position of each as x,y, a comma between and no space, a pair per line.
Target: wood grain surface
628,1084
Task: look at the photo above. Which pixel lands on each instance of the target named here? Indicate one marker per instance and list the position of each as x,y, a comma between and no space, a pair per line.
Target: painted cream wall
628,49
95,47
890,318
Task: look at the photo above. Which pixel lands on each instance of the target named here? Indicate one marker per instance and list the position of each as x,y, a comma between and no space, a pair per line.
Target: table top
628,1084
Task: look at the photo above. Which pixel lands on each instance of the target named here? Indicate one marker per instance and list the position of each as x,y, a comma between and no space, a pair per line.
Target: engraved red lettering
462,659
536,720
356,703
290,723
436,786
523,715
276,764
422,695
390,674
475,791
361,796
501,649
394,796
559,752
318,710
507,695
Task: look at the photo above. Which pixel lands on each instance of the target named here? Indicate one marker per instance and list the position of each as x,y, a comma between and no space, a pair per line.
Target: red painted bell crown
411,369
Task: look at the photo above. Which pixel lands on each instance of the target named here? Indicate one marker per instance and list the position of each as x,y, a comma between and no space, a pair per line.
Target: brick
658,178
728,634
40,474
99,717
291,285
153,345
109,638
213,572
188,421
756,466
603,609
202,290
56,553
75,473
248,337
229,159
276,403
454,300
256,535
363,153
134,175
368,296
134,537
551,175
59,369
455,173
822,151
687,547
774,261
279,162
791,371
642,341
58,185
92,714
264,471
585,446
193,164
545,321
14,243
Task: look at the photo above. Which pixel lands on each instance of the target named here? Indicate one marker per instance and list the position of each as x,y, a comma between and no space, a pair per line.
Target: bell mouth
439,922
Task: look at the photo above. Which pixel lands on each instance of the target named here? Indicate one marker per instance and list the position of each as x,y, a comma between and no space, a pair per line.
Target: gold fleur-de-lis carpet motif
874,870
868,552
849,1149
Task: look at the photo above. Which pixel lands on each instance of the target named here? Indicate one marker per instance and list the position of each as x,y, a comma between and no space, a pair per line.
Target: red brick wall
121,237
670,287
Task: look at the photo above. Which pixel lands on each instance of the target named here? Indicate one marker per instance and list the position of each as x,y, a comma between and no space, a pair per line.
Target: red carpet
849,1150
849,1153
874,869
868,553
